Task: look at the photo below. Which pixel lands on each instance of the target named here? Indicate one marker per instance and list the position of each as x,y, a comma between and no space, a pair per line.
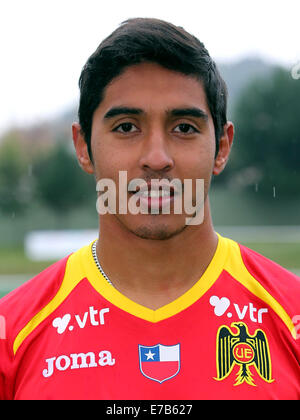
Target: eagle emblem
245,350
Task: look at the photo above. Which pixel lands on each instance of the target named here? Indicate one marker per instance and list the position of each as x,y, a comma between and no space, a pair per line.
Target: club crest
159,362
245,350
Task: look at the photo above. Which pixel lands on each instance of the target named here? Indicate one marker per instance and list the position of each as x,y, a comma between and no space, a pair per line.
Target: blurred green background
255,201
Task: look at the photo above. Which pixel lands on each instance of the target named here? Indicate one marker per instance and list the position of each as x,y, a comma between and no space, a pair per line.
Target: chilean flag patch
159,362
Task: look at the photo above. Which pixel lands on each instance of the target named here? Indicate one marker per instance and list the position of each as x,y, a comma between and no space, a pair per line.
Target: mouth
155,197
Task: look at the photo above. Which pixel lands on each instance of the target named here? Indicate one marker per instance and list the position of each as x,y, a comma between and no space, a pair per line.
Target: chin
160,232
155,227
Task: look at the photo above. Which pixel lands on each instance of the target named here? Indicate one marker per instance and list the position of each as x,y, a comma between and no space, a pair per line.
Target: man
160,306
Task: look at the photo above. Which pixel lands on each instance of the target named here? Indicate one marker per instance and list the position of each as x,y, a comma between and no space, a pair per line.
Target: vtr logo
95,317
222,304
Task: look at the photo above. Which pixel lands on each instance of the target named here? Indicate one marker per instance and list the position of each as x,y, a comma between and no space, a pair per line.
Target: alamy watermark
155,196
296,322
295,71
2,328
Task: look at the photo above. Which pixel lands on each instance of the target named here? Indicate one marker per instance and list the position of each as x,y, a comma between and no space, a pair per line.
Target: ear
225,145
81,149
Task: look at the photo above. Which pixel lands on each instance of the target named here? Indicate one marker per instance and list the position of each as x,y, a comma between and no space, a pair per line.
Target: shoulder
19,306
273,284
272,276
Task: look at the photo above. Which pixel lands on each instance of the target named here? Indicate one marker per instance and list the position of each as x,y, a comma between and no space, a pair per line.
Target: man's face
155,124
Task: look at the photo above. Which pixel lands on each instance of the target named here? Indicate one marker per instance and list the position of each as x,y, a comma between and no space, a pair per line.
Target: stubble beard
155,230
159,232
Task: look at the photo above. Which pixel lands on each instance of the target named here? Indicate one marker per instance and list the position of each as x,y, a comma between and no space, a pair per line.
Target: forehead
153,87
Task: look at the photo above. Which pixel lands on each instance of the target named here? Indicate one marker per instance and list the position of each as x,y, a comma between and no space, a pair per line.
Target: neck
156,272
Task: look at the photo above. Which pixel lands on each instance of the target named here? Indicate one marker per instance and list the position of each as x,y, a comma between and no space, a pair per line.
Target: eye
185,128
126,127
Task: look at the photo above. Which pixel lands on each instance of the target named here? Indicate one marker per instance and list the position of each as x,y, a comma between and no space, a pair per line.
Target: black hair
140,40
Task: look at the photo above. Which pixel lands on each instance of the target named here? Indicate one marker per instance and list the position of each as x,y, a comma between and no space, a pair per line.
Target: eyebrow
176,112
189,112
120,110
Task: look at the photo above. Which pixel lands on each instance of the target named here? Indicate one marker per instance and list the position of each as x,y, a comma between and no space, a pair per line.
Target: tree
265,156
14,193
60,182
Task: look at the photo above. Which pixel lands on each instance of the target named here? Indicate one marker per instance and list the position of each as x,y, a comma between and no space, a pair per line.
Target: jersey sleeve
16,309
282,284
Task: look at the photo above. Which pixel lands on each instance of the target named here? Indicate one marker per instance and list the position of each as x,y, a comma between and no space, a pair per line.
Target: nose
156,154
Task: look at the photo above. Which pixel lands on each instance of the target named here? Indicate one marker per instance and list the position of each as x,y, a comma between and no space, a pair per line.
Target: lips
155,190
156,196
155,193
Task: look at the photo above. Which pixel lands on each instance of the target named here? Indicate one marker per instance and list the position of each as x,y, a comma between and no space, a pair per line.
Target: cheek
198,158
105,169
106,162
110,158
200,164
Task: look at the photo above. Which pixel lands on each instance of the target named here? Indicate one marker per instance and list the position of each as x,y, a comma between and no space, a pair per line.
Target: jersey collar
111,294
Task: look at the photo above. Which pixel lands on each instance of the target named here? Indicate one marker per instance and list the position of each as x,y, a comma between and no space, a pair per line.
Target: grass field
285,254
15,267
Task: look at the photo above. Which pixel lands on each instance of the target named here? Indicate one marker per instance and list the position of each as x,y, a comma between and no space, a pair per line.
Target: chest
219,347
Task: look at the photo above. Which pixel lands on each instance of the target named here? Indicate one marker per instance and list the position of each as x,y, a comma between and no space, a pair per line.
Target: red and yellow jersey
69,334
